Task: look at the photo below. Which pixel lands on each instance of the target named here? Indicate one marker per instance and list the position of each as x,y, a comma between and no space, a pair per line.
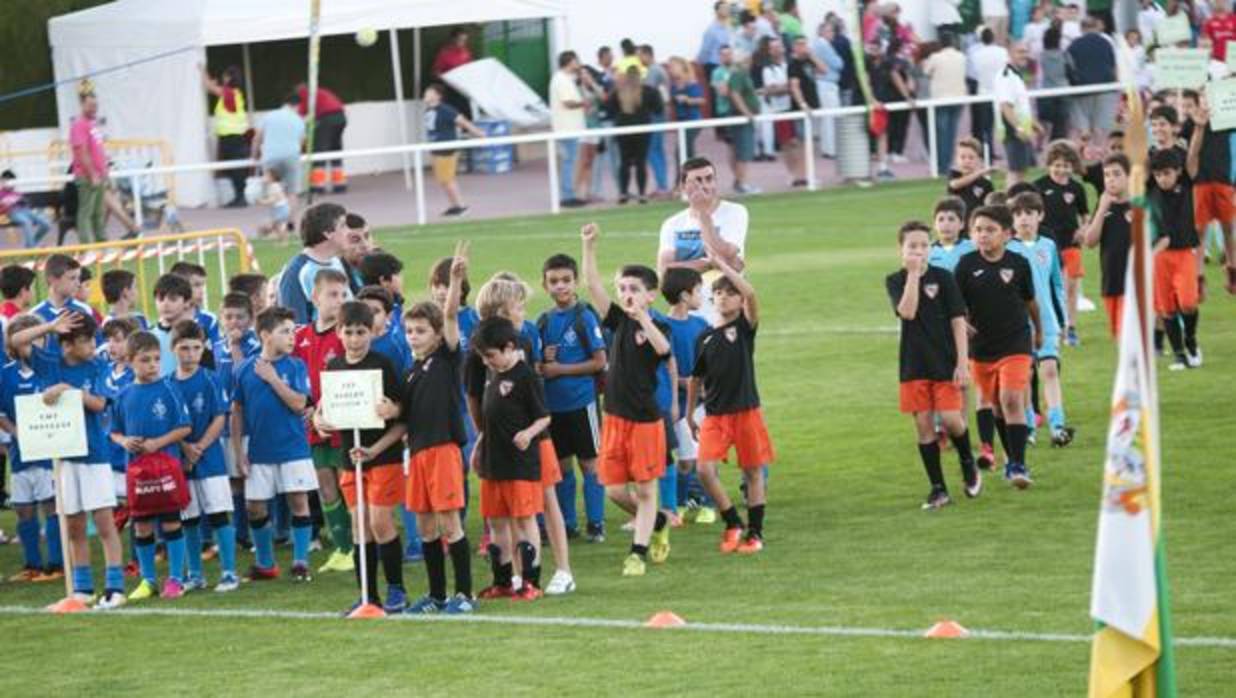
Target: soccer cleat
145,590
111,599
49,574
1062,437
262,574
973,488
1194,358
338,561
634,566
27,574
172,589
986,457
422,606
629,526
315,545
495,591
228,582
396,599
412,552
706,515
1019,475
562,583
528,592
459,604
938,499
750,545
659,546
730,540
1180,363
194,584
300,572
596,533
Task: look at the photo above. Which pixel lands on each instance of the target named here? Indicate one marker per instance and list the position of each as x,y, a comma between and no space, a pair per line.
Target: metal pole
137,202
416,62
418,172
809,151
551,146
933,148
682,145
311,108
249,96
396,65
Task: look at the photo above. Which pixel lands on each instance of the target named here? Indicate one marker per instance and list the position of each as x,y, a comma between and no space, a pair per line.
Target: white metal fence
550,140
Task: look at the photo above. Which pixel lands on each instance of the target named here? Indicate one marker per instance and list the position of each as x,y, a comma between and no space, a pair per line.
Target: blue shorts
1051,347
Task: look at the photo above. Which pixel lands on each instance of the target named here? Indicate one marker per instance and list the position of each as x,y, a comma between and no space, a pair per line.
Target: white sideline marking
758,629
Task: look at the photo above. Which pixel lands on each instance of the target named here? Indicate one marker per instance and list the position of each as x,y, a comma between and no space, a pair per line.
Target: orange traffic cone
367,611
665,619
317,180
68,605
338,179
947,630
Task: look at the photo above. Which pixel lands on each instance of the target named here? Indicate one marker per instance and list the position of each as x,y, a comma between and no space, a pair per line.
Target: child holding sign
380,453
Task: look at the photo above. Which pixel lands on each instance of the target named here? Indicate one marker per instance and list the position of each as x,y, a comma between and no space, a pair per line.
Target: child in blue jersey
238,343
271,398
574,357
1049,293
120,292
33,490
683,288
173,303
116,332
391,344
195,274
950,223
149,416
63,276
85,481
210,495
384,270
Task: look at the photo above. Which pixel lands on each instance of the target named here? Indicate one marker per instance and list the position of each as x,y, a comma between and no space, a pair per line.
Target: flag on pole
1131,655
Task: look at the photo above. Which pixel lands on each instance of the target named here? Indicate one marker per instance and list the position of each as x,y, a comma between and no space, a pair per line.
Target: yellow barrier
116,253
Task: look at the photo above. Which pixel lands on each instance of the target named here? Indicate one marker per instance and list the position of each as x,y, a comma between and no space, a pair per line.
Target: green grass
847,545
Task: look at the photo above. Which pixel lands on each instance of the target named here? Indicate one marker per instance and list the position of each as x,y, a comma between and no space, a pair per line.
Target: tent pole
248,64
401,108
416,62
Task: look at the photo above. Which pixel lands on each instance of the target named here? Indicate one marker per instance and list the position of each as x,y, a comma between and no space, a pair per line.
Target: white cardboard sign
51,431
350,399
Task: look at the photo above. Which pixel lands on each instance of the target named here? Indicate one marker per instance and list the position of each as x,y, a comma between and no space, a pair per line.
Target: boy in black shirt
1210,167
1065,210
970,181
513,415
1175,257
725,369
380,452
632,434
1110,230
433,413
997,287
934,358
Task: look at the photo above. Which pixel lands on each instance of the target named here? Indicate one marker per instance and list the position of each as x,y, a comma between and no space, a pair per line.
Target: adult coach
323,231
708,223
329,123
89,167
231,122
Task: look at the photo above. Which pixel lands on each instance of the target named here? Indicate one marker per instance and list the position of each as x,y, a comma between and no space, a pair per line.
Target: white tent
149,52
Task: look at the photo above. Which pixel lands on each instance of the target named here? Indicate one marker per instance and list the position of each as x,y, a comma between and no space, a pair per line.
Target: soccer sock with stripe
1175,335
529,563
731,518
225,538
193,546
1017,436
339,522
930,454
51,531
755,516
83,581
28,533
302,531
565,492
146,557
594,499
113,579
175,543
986,426
392,561
461,560
1190,330
263,532
435,568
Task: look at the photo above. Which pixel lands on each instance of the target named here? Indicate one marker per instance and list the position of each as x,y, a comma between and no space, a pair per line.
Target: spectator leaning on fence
89,167
567,110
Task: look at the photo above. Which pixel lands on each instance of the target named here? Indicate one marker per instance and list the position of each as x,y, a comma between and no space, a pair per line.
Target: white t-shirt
563,89
1010,89
681,233
995,8
776,74
989,60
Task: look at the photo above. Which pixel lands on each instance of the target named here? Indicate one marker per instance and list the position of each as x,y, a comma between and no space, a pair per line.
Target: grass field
848,548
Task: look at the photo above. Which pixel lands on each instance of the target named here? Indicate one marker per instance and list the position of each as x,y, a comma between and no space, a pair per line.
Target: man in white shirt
567,110
1013,101
946,71
985,62
708,223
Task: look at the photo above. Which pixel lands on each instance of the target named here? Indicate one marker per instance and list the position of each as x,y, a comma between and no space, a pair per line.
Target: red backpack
155,484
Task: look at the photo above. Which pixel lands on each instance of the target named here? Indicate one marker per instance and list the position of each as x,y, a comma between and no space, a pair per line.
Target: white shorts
86,487
120,485
267,480
33,485
229,456
210,495
688,449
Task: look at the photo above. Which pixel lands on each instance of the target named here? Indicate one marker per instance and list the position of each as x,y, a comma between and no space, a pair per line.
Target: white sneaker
228,582
898,159
562,583
1194,358
109,601
1084,304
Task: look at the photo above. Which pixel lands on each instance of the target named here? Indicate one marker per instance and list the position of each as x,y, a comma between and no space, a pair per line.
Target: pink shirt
85,132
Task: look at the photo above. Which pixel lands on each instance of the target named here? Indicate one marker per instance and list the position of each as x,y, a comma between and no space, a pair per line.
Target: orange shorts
511,499
1008,373
383,485
1114,305
930,396
551,470
631,451
1175,281
745,431
1212,201
435,480
1071,260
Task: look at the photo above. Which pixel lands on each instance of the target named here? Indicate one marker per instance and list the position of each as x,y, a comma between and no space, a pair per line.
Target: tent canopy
163,98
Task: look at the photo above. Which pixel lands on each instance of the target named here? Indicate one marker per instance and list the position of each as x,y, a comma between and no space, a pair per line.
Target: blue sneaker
460,604
412,552
426,604
1020,476
396,600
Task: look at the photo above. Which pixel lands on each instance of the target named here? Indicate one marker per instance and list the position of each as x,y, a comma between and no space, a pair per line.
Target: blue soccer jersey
167,359
150,411
947,256
88,376
282,431
683,334
394,346
47,312
16,379
116,382
468,320
225,367
665,388
561,328
1048,280
203,395
209,324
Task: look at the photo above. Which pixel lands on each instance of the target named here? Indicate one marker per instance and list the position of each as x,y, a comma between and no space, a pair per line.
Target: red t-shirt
451,57
317,349
328,102
1220,29
9,309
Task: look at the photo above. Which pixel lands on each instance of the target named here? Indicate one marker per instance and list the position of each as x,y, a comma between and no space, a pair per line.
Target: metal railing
551,138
